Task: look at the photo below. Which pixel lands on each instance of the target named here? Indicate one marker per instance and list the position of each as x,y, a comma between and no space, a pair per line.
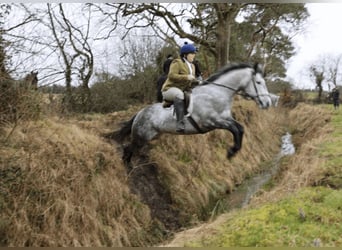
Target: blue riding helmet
188,48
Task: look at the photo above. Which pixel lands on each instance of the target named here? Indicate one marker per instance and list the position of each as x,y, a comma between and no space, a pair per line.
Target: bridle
244,94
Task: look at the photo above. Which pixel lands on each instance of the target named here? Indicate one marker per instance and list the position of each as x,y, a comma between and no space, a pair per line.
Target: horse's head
245,78
256,88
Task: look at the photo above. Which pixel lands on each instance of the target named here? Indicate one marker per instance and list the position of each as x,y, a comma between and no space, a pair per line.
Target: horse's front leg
237,130
133,148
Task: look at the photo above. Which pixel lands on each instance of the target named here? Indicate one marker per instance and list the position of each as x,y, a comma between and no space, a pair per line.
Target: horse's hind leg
237,130
127,154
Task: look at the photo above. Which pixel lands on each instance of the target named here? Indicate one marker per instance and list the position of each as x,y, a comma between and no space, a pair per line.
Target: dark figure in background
336,97
163,77
198,72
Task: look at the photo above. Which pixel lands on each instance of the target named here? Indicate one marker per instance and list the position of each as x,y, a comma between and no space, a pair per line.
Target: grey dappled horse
209,109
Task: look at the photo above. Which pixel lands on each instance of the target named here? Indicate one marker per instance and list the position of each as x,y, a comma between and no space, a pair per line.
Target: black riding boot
179,108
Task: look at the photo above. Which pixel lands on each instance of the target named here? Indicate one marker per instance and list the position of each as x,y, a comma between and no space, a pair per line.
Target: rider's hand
191,77
195,82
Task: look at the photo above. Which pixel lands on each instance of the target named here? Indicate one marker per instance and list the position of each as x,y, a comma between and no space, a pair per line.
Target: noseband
256,91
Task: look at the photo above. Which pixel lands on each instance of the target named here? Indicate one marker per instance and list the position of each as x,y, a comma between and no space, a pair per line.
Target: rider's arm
179,73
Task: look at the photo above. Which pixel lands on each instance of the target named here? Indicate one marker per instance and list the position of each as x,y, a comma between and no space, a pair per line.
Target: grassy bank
63,184
310,217
331,151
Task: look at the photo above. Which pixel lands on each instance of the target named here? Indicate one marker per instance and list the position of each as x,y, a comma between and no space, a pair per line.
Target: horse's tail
123,132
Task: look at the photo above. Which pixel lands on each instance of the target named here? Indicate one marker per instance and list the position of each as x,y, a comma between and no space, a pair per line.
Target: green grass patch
331,150
310,95
185,158
311,217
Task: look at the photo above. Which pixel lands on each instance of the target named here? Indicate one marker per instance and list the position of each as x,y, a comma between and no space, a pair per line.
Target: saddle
187,97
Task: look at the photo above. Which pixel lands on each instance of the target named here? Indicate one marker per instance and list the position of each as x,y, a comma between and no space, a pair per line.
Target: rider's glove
195,82
191,77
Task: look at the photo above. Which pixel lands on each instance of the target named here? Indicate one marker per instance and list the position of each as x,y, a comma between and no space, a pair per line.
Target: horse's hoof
230,154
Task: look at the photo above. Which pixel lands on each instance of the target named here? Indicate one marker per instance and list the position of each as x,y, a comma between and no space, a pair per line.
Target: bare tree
67,58
213,27
139,63
13,41
58,42
317,73
73,42
325,71
169,22
333,69
4,10
138,52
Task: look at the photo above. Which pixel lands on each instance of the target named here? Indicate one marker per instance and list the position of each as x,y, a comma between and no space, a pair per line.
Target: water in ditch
243,194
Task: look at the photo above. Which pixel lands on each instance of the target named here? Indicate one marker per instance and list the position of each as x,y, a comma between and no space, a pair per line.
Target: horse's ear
255,67
258,68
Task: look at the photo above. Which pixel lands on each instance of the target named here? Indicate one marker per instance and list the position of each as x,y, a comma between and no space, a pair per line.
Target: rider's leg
179,108
177,96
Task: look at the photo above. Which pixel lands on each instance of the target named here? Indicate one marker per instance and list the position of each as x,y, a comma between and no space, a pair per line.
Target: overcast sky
323,35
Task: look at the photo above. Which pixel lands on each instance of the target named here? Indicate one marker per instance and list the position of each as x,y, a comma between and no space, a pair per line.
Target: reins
223,86
236,91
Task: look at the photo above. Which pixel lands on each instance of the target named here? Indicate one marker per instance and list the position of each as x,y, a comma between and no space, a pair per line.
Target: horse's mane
226,69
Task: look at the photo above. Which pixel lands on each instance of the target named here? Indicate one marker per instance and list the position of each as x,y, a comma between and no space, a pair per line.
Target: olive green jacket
178,76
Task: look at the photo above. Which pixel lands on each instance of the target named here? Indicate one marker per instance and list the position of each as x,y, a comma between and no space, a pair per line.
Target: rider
181,77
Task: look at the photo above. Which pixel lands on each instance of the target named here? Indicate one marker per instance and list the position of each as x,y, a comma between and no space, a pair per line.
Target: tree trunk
226,14
222,45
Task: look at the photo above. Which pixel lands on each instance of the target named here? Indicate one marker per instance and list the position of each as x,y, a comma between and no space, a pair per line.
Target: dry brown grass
18,102
64,186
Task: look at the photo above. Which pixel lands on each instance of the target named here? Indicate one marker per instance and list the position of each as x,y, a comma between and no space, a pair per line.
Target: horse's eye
258,82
